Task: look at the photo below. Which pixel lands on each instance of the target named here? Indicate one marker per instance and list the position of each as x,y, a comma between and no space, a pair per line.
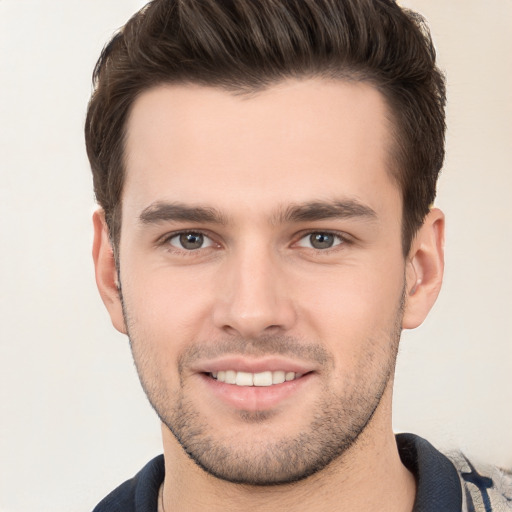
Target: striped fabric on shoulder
485,488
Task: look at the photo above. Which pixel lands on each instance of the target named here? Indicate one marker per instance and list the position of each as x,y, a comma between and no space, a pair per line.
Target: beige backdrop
73,421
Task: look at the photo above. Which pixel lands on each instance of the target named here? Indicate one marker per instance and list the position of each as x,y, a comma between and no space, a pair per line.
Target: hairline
394,166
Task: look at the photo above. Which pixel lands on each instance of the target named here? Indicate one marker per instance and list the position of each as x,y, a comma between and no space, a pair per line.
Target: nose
253,297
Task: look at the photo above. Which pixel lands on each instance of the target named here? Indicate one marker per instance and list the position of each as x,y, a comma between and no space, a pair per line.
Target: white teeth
244,379
230,377
267,378
278,377
263,379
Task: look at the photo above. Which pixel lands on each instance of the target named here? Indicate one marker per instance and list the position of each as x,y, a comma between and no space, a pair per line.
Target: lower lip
255,398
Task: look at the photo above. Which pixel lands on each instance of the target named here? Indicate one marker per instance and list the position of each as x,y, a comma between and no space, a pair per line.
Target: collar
438,483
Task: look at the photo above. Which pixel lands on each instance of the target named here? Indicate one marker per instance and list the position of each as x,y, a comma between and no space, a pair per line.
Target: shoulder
139,494
485,488
452,482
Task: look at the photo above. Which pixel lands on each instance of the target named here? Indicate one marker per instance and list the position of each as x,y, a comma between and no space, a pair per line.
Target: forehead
293,142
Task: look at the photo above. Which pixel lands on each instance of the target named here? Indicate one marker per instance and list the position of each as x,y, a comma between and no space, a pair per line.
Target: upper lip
253,365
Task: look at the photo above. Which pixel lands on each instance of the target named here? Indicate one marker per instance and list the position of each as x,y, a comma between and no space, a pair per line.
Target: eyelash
165,241
343,238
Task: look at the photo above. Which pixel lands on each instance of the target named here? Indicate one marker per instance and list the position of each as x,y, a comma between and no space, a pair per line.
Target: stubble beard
338,417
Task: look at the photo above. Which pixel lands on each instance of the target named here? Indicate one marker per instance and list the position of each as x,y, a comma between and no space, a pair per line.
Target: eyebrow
310,211
168,212
322,210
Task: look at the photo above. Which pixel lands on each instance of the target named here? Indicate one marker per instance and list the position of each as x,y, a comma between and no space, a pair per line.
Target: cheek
160,325
352,305
165,305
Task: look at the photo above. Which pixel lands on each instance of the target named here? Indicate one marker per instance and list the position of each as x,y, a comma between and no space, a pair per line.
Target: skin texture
249,180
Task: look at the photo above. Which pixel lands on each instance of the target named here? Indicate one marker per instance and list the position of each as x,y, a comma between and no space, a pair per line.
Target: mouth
256,391
255,384
261,379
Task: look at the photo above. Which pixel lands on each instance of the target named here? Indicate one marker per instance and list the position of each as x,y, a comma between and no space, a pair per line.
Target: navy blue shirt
438,483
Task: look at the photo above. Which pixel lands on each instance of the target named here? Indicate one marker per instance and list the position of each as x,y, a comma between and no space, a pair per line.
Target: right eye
321,240
190,241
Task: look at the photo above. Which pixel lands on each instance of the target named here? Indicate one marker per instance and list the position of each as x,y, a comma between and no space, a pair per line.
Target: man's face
260,242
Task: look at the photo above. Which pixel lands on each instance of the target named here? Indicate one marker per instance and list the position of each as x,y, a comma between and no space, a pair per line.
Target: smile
261,379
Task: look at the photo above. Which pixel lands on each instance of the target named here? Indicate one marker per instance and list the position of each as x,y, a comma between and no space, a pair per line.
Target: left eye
320,240
190,241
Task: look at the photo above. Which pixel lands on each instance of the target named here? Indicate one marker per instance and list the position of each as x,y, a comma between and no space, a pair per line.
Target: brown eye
190,241
320,240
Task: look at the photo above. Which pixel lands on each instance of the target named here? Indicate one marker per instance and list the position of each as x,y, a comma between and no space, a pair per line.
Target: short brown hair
248,45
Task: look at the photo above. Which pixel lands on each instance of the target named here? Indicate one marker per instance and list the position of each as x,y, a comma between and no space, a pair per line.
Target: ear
424,269
106,272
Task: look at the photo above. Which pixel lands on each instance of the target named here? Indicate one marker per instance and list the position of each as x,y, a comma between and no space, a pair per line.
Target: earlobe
424,269
106,272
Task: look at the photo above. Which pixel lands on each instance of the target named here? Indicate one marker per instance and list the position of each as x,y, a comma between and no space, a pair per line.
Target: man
266,172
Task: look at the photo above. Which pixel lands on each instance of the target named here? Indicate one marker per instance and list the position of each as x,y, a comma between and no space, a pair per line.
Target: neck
368,477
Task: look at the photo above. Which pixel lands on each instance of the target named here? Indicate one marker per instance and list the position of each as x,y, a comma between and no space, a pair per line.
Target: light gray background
73,420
